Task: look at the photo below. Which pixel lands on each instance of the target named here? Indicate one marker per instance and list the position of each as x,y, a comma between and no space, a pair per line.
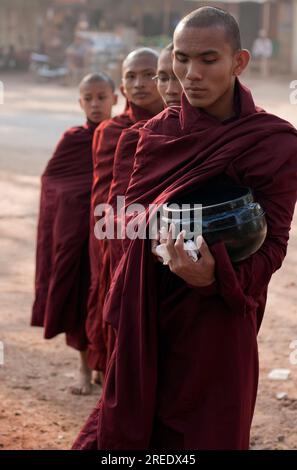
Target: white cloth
190,247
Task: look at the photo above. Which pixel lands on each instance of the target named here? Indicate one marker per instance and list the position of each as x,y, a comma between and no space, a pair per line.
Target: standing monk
170,90
189,330
143,102
62,263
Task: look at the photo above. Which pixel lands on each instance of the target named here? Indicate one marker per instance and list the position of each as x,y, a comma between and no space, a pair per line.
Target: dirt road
36,409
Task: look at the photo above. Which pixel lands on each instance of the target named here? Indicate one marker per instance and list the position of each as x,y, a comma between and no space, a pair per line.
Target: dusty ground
36,410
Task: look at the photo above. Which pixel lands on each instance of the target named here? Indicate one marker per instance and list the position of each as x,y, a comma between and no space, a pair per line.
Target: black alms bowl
228,214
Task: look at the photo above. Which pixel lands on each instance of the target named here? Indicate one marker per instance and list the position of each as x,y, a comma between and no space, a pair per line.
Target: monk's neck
155,108
224,108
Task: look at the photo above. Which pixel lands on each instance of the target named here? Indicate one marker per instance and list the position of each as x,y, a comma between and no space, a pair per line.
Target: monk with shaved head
62,261
187,329
142,102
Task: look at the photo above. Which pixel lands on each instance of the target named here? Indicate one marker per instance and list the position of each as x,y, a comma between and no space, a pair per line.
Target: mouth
140,95
173,103
96,114
195,91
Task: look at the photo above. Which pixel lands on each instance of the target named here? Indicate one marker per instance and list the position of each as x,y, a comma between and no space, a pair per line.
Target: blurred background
64,39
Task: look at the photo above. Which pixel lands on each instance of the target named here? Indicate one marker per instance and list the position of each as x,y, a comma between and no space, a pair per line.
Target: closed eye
181,58
209,61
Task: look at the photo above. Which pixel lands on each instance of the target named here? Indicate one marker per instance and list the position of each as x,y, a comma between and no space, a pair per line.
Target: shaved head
95,78
206,17
142,53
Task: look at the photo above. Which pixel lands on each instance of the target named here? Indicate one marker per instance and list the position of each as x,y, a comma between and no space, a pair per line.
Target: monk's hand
199,273
155,243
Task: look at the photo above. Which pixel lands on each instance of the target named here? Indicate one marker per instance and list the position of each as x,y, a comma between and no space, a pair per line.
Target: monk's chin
198,103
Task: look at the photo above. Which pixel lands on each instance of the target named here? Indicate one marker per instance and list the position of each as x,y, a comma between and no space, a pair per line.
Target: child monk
62,261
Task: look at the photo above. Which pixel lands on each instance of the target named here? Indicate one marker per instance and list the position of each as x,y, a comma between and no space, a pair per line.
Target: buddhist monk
62,264
168,85
170,90
143,102
198,318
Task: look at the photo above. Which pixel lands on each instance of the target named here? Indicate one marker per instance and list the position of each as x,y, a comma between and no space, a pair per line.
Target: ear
81,104
242,59
122,90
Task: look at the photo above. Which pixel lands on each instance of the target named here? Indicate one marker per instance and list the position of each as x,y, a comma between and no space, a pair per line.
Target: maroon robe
193,351
122,170
106,137
62,262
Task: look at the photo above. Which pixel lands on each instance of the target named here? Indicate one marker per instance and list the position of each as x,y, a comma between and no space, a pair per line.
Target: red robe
184,371
106,137
122,170
62,261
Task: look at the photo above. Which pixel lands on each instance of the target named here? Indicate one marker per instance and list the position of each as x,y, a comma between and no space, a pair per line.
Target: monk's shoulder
132,133
282,140
73,134
166,122
75,130
113,126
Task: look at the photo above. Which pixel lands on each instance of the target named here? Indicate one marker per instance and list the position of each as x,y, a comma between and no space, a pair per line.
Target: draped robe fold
100,335
62,260
184,371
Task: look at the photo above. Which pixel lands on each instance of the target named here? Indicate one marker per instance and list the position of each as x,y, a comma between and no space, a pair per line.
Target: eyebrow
204,53
88,93
140,71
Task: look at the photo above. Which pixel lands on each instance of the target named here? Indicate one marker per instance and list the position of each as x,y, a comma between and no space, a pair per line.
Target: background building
50,25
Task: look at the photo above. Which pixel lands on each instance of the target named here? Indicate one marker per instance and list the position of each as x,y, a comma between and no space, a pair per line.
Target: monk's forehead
97,86
140,63
198,40
165,61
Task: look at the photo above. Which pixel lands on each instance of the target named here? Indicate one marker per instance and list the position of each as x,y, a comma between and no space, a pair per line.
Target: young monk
170,90
143,102
62,264
198,318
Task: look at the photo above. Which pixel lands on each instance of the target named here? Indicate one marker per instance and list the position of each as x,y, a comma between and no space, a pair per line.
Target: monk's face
168,85
97,99
206,65
138,85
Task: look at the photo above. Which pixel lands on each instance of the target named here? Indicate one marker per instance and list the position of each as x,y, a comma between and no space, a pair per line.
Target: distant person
76,58
262,51
62,264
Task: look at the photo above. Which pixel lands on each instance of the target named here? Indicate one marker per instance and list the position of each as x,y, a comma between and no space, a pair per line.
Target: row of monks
174,347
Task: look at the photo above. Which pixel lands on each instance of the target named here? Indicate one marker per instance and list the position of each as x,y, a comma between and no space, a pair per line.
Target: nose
95,103
172,87
193,72
139,82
